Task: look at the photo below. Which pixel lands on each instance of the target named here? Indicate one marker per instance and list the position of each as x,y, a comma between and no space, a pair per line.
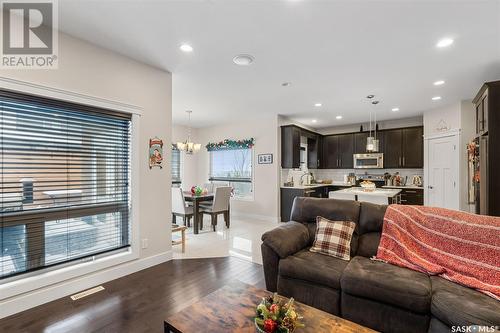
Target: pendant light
375,140
370,139
188,146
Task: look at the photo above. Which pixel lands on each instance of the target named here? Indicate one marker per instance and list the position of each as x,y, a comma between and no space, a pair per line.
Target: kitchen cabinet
313,152
288,194
482,113
338,151
404,148
414,196
360,141
290,147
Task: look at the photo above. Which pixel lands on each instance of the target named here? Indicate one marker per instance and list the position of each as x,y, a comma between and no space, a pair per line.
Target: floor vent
86,293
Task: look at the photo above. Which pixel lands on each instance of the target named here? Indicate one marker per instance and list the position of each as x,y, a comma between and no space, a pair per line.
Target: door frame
456,133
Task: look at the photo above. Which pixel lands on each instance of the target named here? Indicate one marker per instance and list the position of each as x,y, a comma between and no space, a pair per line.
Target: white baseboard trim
29,300
266,218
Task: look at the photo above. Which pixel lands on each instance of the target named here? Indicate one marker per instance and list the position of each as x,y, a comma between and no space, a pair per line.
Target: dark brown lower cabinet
412,197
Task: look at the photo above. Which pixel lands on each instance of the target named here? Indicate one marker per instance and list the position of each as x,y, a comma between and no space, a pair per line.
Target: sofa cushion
371,217
368,244
333,238
454,304
387,283
287,239
313,267
305,210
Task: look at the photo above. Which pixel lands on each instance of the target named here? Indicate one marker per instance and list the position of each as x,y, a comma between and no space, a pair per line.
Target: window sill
45,278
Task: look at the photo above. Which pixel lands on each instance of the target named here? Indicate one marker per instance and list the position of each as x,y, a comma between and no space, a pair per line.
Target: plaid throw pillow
333,238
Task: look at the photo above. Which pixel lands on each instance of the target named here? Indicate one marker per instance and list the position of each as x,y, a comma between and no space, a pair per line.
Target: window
176,166
64,193
234,168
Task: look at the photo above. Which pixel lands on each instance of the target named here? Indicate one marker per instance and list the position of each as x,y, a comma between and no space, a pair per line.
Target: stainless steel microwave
369,161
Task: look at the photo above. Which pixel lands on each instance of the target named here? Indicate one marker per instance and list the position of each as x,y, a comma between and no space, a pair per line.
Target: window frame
230,180
46,276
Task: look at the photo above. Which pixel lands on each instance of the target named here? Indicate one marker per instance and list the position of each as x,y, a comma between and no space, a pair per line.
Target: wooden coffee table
232,309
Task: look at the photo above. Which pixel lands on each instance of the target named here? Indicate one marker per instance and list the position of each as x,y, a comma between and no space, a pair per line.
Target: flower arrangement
274,316
228,144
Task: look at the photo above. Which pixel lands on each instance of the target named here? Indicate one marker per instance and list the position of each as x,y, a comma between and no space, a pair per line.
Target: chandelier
188,146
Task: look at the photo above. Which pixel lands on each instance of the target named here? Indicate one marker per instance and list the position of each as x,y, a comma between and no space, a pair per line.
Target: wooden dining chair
179,207
220,205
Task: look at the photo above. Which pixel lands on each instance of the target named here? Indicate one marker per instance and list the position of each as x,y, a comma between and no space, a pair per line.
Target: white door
442,164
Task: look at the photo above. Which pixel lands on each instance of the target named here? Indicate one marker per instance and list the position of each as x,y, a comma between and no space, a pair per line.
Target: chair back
341,196
221,198
209,187
376,199
178,203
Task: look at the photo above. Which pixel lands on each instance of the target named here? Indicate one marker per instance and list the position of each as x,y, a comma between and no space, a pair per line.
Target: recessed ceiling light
338,117
318,105
286,84
243,59
436,98
395,109
186,48
314,121
438,83
445,42
370,96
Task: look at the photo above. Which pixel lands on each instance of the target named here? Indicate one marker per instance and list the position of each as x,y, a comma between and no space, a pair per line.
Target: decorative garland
228,144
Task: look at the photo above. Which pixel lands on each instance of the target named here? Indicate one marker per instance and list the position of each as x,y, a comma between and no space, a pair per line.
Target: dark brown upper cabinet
313,152
290,147
360,141
337,151
404,148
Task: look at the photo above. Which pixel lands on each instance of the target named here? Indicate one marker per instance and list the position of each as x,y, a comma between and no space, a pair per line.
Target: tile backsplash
338,174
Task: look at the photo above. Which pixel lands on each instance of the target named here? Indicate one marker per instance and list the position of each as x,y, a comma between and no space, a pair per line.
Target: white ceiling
333,52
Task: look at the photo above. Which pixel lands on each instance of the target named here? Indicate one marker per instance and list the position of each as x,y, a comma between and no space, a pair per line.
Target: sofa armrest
287,239
279,243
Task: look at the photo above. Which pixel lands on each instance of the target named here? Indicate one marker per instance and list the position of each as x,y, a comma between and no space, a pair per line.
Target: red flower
274,308
270,326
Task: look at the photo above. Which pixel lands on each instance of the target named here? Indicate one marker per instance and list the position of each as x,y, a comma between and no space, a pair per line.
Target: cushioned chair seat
387,284
313,267
454,304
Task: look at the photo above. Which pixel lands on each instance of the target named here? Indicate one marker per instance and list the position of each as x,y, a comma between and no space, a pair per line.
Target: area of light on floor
241,240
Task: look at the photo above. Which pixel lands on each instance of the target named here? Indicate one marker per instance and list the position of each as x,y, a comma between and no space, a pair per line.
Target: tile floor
241,240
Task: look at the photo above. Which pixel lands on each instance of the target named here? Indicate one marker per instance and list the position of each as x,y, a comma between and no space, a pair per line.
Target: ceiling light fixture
436,98
395,109
370,96
286,84
439,83
186,48
338,117
243,59
314,121
188,146
372,143
318,105
445,42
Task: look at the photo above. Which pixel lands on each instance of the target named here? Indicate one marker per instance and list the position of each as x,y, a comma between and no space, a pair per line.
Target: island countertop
383,192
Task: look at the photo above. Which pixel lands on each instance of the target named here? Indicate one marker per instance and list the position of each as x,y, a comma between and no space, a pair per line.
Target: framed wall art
155,153
265,159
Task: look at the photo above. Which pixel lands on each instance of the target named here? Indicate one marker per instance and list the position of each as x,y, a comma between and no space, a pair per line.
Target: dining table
196,200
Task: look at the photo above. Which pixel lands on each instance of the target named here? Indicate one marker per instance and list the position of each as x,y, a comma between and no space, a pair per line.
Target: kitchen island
391,195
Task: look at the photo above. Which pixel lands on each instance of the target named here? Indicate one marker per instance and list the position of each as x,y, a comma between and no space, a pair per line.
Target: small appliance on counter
416,180
377,179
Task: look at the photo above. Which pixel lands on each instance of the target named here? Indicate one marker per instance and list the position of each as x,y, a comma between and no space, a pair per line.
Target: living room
173,167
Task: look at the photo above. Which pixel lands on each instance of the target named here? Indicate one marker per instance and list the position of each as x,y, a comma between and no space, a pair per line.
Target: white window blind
65,172
234,168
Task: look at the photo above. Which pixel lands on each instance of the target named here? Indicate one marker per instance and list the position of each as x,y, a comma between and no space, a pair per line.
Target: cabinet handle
403,161
399,161
408,191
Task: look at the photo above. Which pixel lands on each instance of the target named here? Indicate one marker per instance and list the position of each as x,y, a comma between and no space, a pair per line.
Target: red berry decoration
274,308
270,325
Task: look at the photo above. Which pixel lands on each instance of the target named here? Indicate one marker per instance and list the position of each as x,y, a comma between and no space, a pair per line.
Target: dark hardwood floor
138,302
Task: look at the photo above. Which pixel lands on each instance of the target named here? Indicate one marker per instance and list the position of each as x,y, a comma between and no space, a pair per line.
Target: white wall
89,70
266,176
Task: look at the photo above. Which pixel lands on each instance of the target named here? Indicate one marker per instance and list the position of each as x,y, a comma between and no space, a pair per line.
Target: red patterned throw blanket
458,246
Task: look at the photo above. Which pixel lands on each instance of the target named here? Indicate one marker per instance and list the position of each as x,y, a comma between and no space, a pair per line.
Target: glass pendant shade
369,143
